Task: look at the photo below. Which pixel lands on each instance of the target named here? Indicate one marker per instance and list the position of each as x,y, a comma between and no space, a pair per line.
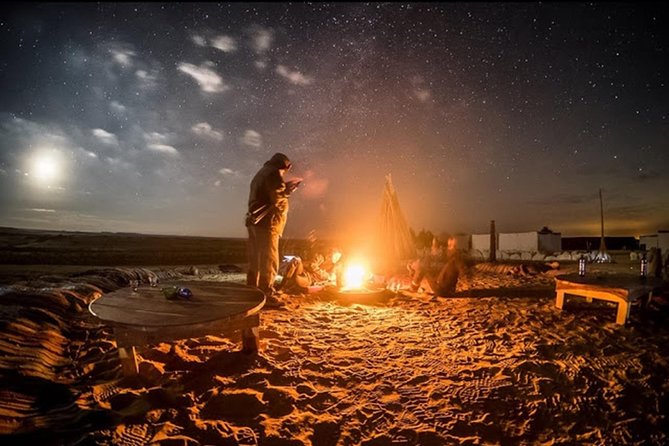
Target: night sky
153,118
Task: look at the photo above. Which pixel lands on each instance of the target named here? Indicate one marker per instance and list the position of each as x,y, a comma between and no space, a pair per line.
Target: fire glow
355,277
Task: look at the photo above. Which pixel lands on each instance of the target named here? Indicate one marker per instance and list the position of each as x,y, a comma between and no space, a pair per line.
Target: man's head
280,161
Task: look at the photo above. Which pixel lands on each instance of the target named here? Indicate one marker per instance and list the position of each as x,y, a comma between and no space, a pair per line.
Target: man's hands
291,185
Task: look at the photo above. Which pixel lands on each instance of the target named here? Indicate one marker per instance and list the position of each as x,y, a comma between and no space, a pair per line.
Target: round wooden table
146,316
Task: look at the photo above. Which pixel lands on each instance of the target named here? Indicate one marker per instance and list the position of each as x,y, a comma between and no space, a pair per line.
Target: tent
394,242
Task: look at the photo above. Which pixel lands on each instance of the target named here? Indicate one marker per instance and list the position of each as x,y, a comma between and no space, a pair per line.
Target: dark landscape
496,363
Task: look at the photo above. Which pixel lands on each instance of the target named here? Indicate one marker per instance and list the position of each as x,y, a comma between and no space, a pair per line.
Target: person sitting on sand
321,270
438,273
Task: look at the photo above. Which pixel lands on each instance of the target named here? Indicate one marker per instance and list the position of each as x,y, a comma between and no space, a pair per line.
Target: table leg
128,360
645,302
623,313
250,339
559,301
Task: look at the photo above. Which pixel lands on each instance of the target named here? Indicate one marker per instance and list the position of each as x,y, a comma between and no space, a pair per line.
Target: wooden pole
602,244
493,244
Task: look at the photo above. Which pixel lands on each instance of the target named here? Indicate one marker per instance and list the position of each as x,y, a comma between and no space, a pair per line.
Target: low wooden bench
622,289
146,316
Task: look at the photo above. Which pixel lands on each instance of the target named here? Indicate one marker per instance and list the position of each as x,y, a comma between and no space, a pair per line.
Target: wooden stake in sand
602,243
493,242
602,256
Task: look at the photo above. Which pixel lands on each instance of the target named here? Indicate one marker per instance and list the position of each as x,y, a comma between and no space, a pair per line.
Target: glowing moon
45,167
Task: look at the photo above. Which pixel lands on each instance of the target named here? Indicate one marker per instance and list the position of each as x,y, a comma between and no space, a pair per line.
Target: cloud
230,177
261,39
205,129
155,137
105,137
117,107
198,40
148,78
163,148
122,56
158,142
294,77
252,138
224,43
17,135
209,80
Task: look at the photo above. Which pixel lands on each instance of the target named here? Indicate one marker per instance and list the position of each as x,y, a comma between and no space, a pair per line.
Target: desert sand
495,364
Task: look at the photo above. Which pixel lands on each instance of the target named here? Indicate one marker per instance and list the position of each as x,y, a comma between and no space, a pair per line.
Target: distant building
543,241
659,240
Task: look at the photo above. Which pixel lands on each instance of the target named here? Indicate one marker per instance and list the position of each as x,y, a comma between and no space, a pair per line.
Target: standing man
265,221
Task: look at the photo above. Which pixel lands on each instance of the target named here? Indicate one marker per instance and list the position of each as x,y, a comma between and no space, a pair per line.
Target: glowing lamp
581,266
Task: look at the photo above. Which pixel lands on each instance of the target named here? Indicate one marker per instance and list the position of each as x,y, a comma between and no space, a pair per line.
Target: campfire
358,282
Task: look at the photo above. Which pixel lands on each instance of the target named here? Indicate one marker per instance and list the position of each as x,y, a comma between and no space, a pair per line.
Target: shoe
273,302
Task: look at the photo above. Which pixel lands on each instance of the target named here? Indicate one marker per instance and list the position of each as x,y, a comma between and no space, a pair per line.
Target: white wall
651,241
481,242
521,244
520,241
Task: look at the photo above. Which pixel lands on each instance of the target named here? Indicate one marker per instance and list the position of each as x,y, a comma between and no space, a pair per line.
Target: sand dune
495,364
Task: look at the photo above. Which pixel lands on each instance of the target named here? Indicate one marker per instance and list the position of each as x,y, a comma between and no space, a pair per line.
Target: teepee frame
394,240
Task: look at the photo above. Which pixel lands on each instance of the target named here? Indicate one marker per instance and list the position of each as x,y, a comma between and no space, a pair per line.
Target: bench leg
559,301
645,302
250,339
623,313
128,360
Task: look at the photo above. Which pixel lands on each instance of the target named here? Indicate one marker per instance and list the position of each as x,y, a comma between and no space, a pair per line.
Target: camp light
581,266
644,266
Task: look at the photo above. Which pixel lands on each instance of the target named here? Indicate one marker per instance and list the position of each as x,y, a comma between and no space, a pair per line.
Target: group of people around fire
437,272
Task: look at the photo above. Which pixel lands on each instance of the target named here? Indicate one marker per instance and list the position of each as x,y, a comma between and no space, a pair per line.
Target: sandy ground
495,364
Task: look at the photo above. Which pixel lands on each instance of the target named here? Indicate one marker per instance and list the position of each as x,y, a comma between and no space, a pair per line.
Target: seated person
321,270
432,260
438,273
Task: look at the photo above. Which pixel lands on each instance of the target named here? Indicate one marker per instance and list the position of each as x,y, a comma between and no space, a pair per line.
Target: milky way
153,118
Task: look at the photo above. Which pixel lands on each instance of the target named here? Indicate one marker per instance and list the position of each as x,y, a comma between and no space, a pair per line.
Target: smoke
312,186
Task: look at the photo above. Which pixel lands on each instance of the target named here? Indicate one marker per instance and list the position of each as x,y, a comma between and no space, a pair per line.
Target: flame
355,276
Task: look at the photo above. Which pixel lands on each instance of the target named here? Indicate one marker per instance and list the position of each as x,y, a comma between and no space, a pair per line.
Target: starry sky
153,118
